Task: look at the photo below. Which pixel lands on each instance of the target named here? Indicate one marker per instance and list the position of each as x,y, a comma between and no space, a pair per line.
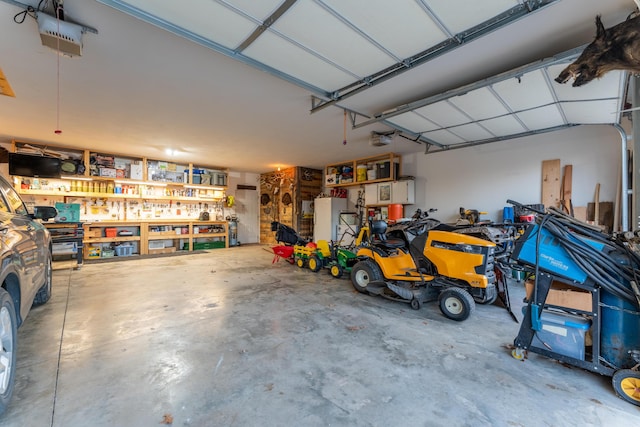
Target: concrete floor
227,338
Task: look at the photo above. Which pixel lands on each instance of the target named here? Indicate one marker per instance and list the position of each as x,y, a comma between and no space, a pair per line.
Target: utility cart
583,306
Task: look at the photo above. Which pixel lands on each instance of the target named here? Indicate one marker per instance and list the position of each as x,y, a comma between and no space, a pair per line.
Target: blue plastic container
562,333
620,330
507,214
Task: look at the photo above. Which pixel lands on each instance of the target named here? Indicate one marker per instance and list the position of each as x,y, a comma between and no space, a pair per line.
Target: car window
12,200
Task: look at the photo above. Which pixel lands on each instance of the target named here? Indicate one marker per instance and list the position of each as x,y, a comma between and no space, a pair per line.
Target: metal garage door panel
471,132
479,104
531,90
443,137
459,15
413,122
443,114
204,18
542,118
504,126
258,9
272,50
591,112
355,54
401,26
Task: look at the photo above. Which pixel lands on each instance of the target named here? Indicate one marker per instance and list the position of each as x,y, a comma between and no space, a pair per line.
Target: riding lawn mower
426,265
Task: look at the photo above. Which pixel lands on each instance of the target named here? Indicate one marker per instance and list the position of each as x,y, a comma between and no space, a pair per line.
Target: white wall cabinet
370,194
384,193
403,192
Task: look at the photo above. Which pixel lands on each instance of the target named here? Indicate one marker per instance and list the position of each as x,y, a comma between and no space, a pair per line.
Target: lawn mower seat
378,230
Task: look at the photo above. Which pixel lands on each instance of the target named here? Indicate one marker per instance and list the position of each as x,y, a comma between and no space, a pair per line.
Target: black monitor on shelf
34,166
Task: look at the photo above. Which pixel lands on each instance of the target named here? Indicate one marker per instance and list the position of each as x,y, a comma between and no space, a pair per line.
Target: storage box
562,333
93,232
384,170
204,245
564,295
168,250
120,173
136,170
93,252
124,250
156,244
107,253
67,212
64,248
108,172
110,232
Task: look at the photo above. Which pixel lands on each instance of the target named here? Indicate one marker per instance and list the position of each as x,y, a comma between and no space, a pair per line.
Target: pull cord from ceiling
344,134
59,13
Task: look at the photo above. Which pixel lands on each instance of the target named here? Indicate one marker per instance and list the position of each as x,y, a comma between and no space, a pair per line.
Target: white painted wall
246,205
484,177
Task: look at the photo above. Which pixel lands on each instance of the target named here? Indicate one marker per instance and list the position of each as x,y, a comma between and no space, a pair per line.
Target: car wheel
8,335
44,293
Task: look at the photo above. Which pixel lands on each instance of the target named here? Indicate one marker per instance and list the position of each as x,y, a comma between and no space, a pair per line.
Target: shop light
131,182
204,187
78,178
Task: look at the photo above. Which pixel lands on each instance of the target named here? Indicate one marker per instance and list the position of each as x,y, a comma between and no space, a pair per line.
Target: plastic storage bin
107,253
562,333
124,250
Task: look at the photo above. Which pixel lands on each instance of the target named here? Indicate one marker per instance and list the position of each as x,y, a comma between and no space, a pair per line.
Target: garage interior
283,101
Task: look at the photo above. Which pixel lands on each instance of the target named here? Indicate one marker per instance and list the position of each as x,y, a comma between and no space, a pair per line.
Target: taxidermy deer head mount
615,48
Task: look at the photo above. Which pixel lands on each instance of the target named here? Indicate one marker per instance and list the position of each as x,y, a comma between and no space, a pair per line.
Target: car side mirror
44,212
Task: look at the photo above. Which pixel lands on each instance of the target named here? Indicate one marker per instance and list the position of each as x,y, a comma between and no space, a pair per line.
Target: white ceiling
228,87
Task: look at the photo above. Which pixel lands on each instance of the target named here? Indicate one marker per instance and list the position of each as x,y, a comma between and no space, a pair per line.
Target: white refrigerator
326,213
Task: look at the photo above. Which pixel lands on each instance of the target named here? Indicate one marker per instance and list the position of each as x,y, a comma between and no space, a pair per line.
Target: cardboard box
93,252
108,172
136,170
93,232
563,295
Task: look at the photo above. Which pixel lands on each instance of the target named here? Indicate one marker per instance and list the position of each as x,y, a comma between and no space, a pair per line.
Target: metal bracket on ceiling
85,28
286,5
353,115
